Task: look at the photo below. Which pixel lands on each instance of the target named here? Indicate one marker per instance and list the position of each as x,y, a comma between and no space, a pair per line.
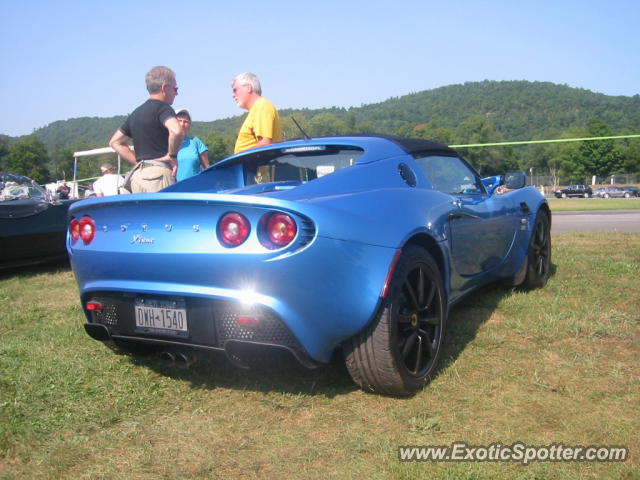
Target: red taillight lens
74,230
233,229
281,229
87,229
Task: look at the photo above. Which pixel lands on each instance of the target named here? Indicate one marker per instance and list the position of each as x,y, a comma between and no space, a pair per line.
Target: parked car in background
33,225
574,191
632,189
359,244
614,192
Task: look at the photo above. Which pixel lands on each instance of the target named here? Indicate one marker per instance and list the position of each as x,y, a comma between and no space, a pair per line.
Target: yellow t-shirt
262,121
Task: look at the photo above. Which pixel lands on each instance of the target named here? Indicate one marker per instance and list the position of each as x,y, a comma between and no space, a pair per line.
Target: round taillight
87,229
233,229
281,229
74,230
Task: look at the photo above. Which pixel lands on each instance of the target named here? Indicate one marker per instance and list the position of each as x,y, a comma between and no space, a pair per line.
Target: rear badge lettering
140,239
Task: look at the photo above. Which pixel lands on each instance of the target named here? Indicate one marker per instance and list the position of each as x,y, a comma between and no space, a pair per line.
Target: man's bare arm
176,135
262,141
119,142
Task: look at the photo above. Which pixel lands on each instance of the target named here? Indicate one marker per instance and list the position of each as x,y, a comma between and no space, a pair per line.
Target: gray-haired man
262,125
156,135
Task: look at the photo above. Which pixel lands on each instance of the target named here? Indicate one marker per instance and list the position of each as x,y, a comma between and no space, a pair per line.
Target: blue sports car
358,243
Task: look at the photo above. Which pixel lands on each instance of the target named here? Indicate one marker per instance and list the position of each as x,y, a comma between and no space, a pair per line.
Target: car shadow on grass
35,269
466,318
279,372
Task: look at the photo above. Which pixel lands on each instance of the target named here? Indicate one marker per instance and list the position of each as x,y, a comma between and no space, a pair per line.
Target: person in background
262,125
109,183
63,191
156,135
192,156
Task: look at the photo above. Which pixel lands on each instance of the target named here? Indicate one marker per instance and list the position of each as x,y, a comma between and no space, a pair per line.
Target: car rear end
221,271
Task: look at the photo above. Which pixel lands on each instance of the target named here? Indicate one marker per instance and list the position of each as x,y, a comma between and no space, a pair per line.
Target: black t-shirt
146,126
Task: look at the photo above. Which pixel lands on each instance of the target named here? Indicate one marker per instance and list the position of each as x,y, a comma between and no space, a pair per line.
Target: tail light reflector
392,268
94,306
279,230
87,229
233,229
246,321
74,229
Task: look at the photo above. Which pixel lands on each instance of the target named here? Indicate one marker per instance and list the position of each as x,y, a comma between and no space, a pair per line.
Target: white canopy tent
89,153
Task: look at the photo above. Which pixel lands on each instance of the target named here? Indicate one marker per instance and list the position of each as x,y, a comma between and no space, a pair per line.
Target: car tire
626,195
564,195
606,195
398,352
586,195
539,254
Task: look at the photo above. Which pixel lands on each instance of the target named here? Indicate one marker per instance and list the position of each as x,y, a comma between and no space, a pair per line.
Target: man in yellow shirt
262,125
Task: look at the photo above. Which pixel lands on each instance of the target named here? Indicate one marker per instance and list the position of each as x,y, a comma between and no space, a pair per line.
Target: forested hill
518,110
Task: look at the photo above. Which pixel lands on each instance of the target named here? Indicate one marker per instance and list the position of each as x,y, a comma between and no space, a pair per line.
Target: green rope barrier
526,142
498,144
86,179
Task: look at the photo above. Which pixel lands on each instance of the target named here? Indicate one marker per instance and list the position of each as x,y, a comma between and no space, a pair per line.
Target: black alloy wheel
418,321
539,255
398,353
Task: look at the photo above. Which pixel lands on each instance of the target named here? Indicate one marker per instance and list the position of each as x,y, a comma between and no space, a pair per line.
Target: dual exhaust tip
180,359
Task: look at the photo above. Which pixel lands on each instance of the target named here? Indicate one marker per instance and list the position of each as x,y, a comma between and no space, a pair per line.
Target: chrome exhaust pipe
167,358
185,359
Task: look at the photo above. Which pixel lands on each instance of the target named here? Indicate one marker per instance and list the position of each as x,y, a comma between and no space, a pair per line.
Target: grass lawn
556,365
579,204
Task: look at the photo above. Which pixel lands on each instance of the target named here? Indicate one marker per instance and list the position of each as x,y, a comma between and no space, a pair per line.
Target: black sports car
32,225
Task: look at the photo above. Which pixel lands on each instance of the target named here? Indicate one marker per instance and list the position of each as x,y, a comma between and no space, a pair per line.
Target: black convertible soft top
414,145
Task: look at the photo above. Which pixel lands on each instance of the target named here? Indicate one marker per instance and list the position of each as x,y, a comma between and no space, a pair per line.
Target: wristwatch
173,156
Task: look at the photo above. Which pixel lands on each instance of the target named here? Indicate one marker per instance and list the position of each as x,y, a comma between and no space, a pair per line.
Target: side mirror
515,180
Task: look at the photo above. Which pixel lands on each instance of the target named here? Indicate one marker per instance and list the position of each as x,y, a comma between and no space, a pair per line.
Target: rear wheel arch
545,208
431,246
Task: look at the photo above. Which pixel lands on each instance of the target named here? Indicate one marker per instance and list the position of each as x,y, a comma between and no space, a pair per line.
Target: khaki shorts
151,178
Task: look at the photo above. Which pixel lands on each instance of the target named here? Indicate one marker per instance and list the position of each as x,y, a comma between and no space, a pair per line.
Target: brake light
279,230
74,230
87,229
233,229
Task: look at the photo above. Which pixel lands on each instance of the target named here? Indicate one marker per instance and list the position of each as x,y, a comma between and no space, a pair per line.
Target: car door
481,226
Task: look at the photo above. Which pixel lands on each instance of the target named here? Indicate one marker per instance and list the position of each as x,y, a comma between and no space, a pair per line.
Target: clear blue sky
87,58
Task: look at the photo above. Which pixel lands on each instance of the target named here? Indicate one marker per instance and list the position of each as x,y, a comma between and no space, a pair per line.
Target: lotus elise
358,244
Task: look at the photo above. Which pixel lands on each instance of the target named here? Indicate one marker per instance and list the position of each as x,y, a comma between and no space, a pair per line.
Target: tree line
479,112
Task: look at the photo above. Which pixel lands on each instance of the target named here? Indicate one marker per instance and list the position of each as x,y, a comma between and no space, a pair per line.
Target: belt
155,163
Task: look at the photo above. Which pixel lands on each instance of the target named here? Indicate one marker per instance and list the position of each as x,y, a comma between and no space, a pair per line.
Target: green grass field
556,365
580,204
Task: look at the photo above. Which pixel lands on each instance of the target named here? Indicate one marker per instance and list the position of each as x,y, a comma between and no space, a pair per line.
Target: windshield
17,187
298,164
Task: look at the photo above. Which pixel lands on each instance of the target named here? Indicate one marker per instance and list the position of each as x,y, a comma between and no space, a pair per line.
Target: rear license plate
161,317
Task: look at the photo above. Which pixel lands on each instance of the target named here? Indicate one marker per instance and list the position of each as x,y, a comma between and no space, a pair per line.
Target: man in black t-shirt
156,135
